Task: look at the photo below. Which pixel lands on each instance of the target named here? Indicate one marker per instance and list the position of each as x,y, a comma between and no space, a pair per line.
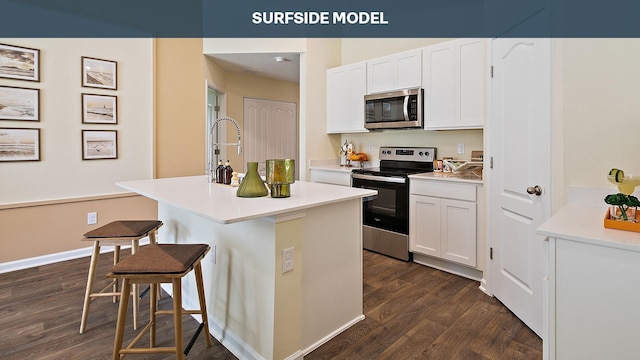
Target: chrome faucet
212,145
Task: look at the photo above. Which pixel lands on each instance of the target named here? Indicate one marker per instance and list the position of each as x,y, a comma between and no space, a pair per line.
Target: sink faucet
212,145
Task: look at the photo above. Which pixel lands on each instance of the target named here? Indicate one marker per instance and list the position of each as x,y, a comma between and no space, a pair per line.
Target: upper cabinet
395,72
453,77
346,88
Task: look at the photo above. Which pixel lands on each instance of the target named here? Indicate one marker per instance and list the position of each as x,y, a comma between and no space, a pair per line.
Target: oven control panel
421,154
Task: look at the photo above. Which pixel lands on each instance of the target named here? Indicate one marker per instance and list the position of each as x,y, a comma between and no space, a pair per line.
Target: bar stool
156,264
116,233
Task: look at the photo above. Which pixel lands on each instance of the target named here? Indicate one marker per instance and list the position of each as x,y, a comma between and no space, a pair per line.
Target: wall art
19,104
19,63
99,109
19,144
99,144
98,73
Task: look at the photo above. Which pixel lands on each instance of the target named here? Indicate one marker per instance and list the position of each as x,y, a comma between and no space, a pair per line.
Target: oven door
390,208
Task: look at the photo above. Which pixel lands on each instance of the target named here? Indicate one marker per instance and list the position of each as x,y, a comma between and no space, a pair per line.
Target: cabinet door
454,83
424,225
470,82
458,231
395,72
346,87
438,81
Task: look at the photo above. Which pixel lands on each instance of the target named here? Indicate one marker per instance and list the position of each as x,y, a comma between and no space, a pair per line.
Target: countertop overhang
219,202
586,224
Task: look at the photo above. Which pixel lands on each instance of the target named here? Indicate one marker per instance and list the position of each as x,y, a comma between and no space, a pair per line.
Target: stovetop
402,161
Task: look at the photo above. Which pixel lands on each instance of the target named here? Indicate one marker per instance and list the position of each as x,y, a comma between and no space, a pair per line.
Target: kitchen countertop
336,168
219,202
445,176
586,224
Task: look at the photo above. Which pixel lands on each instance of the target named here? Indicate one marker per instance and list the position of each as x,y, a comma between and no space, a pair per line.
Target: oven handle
388,179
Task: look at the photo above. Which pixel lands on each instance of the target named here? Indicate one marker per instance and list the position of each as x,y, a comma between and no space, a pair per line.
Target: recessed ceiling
263,64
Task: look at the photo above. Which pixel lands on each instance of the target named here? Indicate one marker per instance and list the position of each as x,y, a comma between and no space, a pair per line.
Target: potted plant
623,203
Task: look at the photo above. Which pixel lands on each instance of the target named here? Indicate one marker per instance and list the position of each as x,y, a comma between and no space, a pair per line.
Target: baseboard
335,333
21,264
242,350
226,337
460,270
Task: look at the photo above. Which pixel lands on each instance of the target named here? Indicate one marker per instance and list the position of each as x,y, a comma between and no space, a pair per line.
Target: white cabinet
346,87
592,287
442,220
335,177
453,77
395,72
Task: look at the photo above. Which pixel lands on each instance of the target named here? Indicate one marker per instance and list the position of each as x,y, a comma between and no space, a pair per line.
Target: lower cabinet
443,221
331,177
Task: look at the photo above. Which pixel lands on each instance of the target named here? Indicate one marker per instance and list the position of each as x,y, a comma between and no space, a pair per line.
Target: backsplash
446,142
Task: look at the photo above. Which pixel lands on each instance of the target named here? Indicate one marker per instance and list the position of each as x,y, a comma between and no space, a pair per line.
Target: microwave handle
405,108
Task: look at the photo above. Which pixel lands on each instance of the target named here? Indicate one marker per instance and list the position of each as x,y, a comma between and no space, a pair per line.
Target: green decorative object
280,175
252,185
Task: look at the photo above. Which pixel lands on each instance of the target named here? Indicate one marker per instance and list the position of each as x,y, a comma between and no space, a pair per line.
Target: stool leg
122,317
152,240
153,306
177,316
136,297
116,259
90,278
203,303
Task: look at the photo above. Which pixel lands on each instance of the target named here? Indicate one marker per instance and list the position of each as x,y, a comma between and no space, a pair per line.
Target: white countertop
446,176
219,202
586,224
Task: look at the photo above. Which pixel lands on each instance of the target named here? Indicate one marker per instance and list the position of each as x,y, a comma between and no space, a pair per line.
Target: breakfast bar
257,309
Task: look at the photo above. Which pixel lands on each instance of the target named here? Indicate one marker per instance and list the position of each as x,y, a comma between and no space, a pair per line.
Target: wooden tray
621,225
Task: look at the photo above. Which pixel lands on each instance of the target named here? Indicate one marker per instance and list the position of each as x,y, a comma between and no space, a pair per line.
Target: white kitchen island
256,310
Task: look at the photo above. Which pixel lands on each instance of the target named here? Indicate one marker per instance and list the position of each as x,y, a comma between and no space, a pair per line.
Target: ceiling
263,64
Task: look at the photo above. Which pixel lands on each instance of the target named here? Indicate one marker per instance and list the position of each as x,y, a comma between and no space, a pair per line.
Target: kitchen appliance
394,110
385,226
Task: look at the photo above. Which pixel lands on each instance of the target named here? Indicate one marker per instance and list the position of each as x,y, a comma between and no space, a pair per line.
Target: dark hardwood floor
412,312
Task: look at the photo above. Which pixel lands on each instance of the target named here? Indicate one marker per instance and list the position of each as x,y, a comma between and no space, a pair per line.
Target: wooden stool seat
156,264
116,233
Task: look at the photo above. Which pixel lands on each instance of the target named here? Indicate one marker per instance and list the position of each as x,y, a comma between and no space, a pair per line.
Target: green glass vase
252,185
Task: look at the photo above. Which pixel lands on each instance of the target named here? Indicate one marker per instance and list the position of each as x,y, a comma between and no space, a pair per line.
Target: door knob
534,190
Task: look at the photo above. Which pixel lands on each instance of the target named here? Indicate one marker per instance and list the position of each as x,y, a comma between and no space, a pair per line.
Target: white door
520,151
270,131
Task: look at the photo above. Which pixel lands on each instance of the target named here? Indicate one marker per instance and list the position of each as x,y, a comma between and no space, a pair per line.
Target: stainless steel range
386,216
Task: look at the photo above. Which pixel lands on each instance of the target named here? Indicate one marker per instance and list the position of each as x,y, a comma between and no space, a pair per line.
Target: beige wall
39,229
180,108
61,172
600,110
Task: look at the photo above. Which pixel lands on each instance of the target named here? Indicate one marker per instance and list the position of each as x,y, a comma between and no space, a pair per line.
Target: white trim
450,267
330,336
54,258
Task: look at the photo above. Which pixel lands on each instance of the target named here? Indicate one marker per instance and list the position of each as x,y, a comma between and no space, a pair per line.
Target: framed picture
19,144
99,144
19,104
19,63
97,73
99,109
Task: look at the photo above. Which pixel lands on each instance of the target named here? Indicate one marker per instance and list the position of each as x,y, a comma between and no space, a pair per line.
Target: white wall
62,173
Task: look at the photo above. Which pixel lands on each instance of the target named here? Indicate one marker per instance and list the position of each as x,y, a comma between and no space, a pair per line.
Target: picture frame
99,73
99,109
21,104
19,63
19,144
99,144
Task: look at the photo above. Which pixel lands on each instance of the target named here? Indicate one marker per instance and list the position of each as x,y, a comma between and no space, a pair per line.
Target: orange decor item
621,225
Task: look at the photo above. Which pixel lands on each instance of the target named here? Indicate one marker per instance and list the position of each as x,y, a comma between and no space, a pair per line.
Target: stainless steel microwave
394,110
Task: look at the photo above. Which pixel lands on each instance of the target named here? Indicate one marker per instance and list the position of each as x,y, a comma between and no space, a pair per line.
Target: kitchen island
255,309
